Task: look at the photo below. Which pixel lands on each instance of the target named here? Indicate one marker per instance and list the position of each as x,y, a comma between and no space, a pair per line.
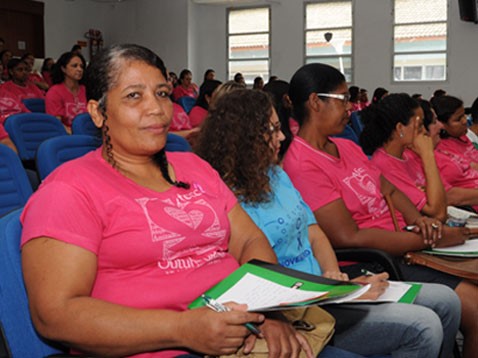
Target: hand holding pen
219,307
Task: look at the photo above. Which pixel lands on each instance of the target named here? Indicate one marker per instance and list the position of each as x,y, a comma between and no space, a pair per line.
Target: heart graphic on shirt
192,218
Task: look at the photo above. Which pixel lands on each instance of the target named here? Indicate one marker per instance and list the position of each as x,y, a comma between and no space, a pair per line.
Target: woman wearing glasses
249,165
348,195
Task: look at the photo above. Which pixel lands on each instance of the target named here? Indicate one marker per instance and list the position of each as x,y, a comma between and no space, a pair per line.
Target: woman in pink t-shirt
186,87
348,194
67,97
199,112
404,152
117,243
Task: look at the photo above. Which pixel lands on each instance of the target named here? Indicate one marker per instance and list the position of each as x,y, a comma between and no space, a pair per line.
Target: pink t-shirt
154,250
180,119
60,102
322,178
23,92
460,147
197,116
10,104
456,169
179,91
294,126
406,174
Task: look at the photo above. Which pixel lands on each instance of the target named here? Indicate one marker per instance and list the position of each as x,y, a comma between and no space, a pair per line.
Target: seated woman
19,86
458,162
67,97
185,87
249,166
46,70
117,243
34,77
199,111
402,134
348,194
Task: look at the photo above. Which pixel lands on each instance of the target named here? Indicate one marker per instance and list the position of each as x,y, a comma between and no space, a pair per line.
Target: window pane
414,11
249,20
248,46
317,45
410,63
342,63
418,38
250,69
329,15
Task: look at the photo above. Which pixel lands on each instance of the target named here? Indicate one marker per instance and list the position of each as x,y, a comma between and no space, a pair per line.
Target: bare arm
462,196
247,240
342,231
435,192
62,309
8,142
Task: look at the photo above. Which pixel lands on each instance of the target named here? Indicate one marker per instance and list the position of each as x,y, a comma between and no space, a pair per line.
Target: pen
367,272
219,307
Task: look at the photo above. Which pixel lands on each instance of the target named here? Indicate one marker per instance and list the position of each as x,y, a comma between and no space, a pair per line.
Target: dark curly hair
232,140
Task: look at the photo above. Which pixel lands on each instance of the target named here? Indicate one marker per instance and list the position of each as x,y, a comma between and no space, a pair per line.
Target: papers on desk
269,287
468,249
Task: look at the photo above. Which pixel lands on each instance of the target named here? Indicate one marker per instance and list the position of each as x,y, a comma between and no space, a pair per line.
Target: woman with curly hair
248,163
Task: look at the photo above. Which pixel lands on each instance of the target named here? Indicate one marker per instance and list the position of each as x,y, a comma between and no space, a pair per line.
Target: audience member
224,88
253,131
76,49
209,75
5,57
354,99
363,98
46,69
67,97
185,87
1,71
199,111
110,235
19,85
279,91
378,94
407,158
437,94
173,78
239,78
472,132
417,96
272,79
34,76
258,83
349,196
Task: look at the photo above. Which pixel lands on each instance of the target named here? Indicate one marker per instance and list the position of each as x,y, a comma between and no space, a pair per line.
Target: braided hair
102,74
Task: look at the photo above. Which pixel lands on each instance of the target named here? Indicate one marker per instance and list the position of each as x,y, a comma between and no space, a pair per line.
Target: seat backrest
356,122
15,188
35,104
22,339
58,150
187,103
176,143
29,130
82,124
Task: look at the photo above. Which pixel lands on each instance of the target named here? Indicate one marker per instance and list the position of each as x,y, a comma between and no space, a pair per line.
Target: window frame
351,28
229,75
428,52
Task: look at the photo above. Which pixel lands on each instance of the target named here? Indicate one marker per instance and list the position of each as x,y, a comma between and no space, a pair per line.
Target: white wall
188,35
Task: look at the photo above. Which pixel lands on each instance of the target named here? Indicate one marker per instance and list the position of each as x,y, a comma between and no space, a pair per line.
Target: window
420,40
328,35
248,43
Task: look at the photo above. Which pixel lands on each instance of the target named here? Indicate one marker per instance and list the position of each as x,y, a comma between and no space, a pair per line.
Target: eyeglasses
344,97
274,128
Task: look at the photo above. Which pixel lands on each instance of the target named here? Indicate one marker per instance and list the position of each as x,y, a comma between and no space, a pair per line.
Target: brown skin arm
462,196
8,142
62,309
342,231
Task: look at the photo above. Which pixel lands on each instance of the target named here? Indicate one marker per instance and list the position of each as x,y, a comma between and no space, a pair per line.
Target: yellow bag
316,324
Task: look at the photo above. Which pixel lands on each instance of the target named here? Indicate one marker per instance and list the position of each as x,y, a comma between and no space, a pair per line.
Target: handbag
457,266
316,324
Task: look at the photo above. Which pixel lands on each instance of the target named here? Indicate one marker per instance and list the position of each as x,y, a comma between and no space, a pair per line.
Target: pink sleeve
59,211
54,102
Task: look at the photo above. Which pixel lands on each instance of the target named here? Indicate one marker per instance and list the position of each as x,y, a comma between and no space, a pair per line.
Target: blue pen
219,307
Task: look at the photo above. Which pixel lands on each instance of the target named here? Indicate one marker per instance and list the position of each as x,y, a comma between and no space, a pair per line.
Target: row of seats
43,145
